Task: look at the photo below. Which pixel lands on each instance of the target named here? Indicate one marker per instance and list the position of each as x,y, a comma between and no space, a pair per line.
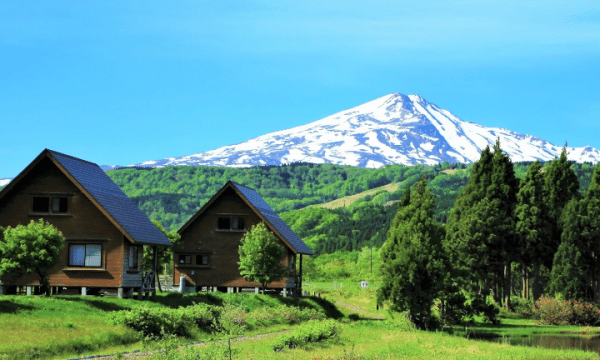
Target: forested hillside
172,195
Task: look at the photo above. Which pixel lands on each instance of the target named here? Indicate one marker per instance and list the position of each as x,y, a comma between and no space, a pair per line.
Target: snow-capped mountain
4,182
391,129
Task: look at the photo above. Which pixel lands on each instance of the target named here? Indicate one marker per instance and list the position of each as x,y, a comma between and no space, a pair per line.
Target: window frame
85,245
63,202
202,256
231,219
184,263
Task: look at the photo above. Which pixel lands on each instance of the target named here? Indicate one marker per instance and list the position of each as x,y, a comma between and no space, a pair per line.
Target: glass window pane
93,255
223,223
204,260
41,204
241,223
55,204
133,257
76,255
234,223
62,205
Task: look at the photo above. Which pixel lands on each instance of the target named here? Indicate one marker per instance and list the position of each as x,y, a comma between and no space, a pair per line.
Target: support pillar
154,269
28,290
120,293
256,290
130,293
284,292
300,277
229,290
139,293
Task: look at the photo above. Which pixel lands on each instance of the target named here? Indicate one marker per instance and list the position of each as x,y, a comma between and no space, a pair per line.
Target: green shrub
312,331
206,317
552,311
521,306
585,314
156,322
233,319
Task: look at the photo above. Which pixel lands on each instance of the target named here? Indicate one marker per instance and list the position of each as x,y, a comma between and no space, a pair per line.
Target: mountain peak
395,128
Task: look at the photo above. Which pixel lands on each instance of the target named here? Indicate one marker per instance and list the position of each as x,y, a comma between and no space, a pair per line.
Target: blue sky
121,82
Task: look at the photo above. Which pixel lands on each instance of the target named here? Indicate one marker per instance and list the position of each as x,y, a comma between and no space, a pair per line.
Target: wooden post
300,276
28,290
154,266
140,293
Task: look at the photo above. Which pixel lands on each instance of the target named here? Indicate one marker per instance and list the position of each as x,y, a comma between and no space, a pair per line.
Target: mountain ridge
395,128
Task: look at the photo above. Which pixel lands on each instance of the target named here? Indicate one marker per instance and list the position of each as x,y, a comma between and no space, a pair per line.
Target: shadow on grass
175,299
9,307
98,304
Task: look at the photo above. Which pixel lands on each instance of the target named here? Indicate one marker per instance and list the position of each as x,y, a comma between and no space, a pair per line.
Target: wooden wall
203,237
82,221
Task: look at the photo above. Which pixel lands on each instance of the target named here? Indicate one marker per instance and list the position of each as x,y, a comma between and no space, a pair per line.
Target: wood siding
83,223
202,237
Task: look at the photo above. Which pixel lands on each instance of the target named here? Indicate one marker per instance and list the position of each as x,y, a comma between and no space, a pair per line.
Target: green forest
172,195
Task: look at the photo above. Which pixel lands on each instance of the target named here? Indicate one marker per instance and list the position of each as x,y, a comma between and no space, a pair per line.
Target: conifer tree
533,226
589,218
480,232
412,258
569,269
561,185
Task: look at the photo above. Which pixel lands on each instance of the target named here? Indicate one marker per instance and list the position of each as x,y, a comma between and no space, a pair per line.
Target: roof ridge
71,157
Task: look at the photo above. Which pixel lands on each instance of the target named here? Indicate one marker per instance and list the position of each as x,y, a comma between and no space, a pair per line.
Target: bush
312,331
522,306
233,319
206,317
555,311
156,322
585,314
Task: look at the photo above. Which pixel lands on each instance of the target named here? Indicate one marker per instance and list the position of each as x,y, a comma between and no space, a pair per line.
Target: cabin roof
264,211
271,216
107,196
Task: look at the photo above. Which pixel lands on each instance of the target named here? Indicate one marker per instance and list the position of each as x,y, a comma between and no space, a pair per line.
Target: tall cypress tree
589,211
412,258
480,231
569,268
533,224
561,185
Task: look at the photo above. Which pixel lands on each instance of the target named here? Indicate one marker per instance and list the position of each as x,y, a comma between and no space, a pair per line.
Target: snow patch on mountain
4,182
393,129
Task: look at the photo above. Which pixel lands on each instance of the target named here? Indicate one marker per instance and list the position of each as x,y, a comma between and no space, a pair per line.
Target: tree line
541,225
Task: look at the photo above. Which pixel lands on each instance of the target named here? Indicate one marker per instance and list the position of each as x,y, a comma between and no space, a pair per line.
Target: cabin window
47,204
201,259
224,223
233,223
86,255
185,259
41,204
133,256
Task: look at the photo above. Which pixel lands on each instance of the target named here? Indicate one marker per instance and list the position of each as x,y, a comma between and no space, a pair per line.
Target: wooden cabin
104,230
207,255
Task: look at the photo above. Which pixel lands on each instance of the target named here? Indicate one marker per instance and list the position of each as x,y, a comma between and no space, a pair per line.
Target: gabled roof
264,211
105,194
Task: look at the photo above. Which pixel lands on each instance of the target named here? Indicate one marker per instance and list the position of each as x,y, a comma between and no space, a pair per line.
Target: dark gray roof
273,219
91,177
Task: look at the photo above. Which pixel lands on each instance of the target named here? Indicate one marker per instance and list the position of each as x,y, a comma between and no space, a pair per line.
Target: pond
554,341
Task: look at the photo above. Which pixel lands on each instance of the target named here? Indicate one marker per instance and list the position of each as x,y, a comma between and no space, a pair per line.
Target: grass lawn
64,326
68,326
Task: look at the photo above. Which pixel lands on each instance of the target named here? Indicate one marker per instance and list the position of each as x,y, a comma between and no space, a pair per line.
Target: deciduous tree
260,255
31,249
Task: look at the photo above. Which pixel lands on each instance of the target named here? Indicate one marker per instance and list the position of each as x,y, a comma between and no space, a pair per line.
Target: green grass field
69,326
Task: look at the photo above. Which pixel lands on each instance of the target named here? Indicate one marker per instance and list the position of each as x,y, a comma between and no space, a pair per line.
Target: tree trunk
536,280
507,283
45,285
